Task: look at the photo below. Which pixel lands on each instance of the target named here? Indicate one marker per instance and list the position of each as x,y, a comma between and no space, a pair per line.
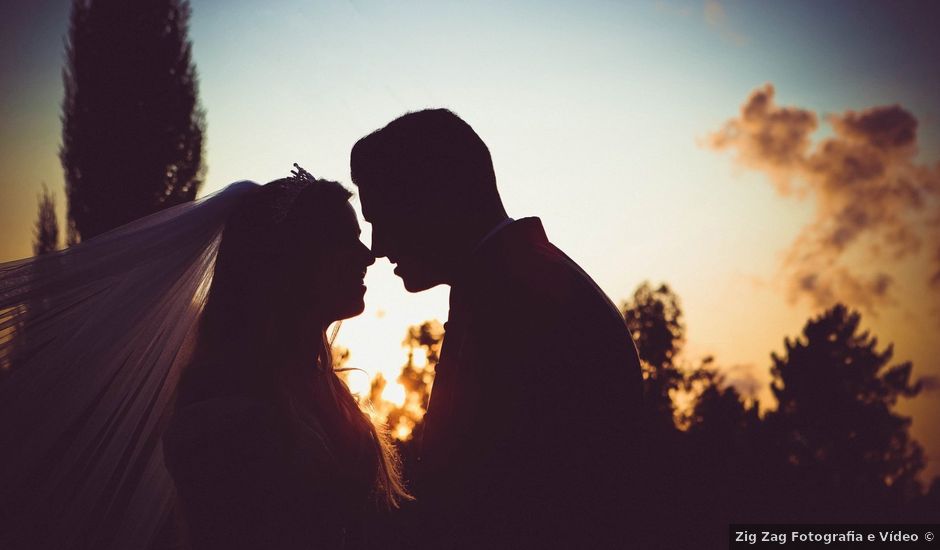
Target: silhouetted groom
530,439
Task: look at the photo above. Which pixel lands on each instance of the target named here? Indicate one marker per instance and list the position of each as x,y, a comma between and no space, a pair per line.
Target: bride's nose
366,255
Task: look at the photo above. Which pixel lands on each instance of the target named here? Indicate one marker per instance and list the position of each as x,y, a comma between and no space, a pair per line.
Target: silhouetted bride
204,327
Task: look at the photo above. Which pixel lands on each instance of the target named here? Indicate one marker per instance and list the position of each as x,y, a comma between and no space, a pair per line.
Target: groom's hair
430,151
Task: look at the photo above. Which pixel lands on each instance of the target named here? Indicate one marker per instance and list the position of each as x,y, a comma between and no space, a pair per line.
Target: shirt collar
496,229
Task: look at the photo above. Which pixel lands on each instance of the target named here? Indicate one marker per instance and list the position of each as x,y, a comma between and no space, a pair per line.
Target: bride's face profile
337,268
290,260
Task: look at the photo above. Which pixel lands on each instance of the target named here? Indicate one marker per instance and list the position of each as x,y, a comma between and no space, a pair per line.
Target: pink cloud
869,193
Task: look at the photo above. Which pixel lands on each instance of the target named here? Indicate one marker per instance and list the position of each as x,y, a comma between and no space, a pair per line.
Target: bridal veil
92,340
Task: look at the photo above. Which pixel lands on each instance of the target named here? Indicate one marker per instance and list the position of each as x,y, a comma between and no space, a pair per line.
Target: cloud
769,138
717,19
870,194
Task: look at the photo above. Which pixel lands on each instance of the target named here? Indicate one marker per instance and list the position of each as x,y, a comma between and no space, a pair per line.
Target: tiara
288,190
301,175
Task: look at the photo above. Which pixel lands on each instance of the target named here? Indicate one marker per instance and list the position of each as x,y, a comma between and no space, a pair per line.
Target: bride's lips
362,281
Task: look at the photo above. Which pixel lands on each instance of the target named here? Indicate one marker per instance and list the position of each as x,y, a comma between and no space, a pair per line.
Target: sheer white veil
92,340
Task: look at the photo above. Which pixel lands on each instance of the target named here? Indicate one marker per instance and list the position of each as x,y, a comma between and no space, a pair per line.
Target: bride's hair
251,339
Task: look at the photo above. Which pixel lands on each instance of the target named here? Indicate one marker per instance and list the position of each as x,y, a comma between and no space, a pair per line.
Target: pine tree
132,127
839,441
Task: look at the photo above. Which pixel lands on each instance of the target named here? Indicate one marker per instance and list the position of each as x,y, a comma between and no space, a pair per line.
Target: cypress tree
132,133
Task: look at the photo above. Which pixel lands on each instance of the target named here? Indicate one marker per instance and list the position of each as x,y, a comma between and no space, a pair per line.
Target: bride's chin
354,310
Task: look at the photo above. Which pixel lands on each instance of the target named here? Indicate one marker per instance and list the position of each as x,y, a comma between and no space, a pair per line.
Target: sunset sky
702,144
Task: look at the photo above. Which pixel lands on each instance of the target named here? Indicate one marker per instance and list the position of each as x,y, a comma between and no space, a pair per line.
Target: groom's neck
466,244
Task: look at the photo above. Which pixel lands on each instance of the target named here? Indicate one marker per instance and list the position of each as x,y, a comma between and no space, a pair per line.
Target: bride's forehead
351,217
346,220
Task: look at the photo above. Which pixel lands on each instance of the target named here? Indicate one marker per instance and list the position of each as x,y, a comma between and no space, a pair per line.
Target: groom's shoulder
539,273
521,274
544,270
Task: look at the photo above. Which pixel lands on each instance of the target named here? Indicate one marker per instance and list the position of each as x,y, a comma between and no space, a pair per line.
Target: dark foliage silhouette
417,379
46,231
838,442
716,480
654,317
132,132
833,450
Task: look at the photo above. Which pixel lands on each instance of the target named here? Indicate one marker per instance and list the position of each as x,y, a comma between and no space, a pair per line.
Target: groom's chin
417,276
417,284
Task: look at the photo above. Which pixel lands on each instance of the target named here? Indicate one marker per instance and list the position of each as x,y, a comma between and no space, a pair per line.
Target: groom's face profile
427,187
400,232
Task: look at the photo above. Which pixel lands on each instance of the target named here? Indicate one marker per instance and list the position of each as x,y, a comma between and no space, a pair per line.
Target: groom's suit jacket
531,437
